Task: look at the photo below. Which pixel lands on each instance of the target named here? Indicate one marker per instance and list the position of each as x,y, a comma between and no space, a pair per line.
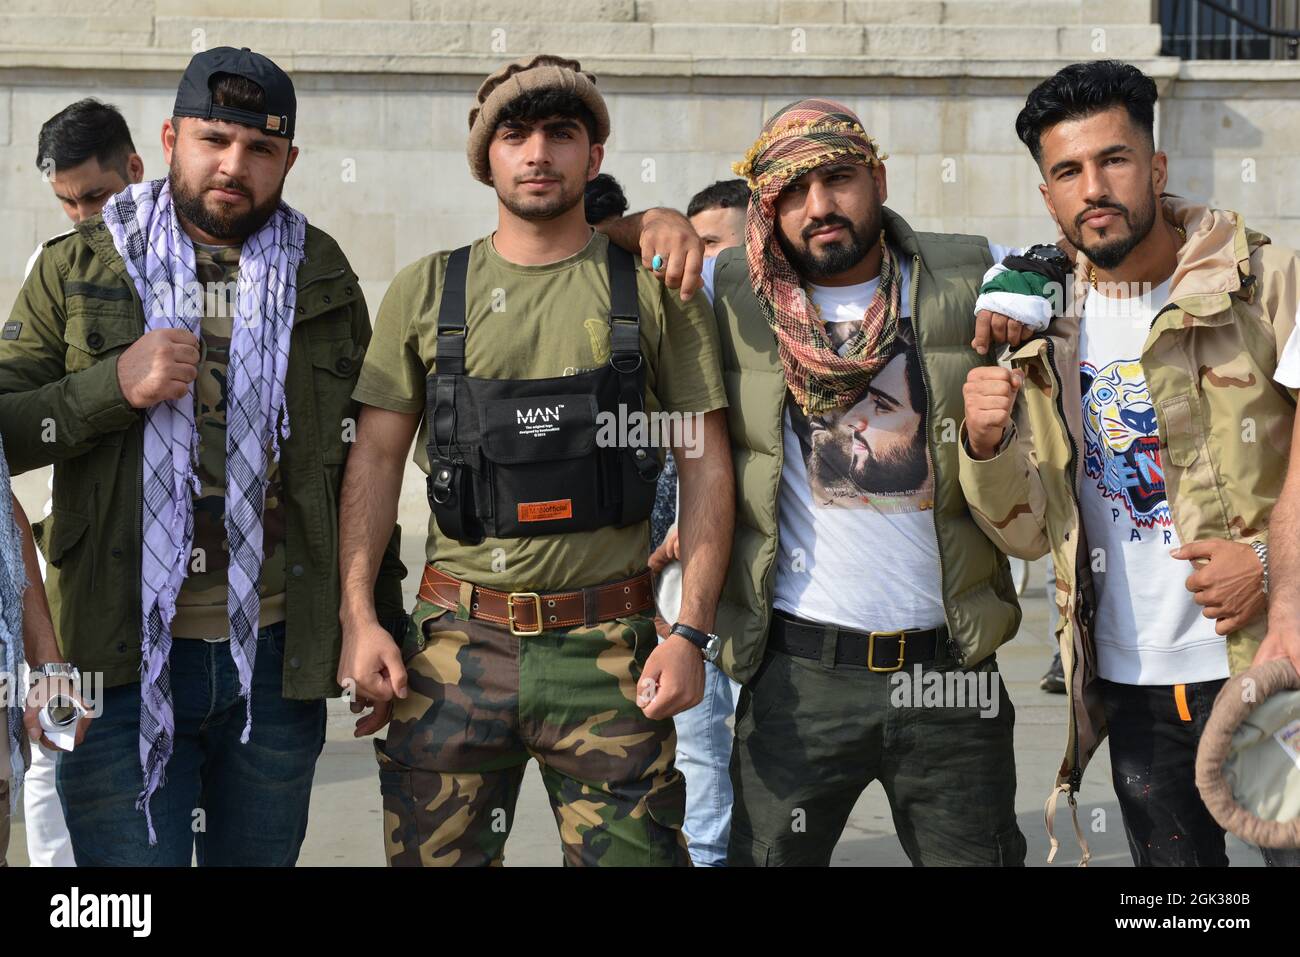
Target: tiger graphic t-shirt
1148,630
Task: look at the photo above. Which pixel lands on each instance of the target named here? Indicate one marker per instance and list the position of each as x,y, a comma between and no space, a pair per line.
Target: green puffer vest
978,594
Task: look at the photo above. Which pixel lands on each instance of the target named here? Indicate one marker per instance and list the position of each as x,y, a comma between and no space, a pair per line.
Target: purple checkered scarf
159,258
13,580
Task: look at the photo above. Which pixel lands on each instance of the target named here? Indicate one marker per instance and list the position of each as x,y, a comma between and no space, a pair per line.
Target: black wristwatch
1047,253
708,644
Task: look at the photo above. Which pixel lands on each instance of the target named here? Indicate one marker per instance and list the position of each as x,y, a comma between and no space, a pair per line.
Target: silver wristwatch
59,669
1261,551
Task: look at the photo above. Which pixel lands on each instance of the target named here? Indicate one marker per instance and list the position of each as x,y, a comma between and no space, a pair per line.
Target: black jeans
1153,766
1153,738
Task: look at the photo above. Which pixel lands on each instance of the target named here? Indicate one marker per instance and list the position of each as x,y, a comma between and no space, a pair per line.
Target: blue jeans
231,803
703,756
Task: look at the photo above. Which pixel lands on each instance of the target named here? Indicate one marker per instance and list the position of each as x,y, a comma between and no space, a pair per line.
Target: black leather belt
882,651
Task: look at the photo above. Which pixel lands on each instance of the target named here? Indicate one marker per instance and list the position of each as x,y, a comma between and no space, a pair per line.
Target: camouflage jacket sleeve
1279,294
1005,493
47,413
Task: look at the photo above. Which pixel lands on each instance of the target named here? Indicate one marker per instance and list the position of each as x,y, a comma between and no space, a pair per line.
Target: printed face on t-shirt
886,452
871,454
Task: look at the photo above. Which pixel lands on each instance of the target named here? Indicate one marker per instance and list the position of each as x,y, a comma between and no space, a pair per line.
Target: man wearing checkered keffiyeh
186,361
865,584
800,138
159,257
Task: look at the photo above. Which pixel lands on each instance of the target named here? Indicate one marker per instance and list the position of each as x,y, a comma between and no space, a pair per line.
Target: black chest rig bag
511,458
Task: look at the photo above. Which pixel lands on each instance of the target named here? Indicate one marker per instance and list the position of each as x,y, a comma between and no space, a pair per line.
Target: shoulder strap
449,362
624,312
447,482
451,315
626,359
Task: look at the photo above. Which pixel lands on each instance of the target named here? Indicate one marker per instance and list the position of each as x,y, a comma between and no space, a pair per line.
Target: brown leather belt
528,613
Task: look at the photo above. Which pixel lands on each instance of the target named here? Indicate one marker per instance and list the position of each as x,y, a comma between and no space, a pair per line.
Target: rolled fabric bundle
668,592
1248,761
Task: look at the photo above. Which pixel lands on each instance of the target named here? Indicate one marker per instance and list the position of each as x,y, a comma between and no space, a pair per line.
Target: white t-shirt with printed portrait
857,545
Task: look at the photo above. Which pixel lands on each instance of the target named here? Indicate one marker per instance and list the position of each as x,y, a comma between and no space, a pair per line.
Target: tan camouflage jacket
1224,424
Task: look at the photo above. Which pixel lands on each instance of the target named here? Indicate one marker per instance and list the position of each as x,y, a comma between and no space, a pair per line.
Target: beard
539,208
831,461
896,472
1108,254
226,225
834,258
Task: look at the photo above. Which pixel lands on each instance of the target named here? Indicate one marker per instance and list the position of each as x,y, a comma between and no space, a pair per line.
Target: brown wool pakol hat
541,72
1248,761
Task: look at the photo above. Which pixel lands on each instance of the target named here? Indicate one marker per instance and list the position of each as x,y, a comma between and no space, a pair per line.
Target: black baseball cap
194,95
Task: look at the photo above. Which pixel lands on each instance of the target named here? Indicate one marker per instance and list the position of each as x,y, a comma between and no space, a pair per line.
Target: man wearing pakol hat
185,360
533,635
857,567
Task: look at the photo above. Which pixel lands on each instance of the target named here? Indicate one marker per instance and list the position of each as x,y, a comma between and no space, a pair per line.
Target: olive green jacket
1224,424
979,597
60,404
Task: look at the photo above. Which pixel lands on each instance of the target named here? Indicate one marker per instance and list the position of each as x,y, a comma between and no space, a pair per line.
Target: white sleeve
1000,253
706,273
1288,364
32,262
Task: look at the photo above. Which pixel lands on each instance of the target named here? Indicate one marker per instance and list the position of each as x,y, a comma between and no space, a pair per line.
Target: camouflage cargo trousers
482,701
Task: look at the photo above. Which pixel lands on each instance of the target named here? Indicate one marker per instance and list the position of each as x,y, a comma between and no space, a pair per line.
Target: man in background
718,214
86,155
603,200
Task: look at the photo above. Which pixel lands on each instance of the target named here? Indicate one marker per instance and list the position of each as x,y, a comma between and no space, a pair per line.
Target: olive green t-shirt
534,322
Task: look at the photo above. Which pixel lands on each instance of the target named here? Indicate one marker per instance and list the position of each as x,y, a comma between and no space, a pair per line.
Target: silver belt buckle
217,641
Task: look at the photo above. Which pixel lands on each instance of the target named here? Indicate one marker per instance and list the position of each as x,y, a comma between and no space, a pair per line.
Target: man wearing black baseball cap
195,347
273,113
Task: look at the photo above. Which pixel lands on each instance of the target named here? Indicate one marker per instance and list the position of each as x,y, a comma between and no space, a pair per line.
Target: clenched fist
990,393
160,365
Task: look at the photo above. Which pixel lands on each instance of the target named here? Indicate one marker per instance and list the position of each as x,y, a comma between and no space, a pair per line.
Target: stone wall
383,101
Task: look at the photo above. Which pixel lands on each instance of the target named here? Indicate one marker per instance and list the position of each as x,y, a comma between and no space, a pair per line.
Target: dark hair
915,380
237,92
604,198
724,194
1082,89
537,105
86,129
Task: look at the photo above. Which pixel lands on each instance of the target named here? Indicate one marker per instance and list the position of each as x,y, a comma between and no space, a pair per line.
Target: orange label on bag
545,511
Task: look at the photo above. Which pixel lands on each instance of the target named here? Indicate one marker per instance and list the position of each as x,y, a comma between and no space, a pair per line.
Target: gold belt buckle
871,650
536,599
